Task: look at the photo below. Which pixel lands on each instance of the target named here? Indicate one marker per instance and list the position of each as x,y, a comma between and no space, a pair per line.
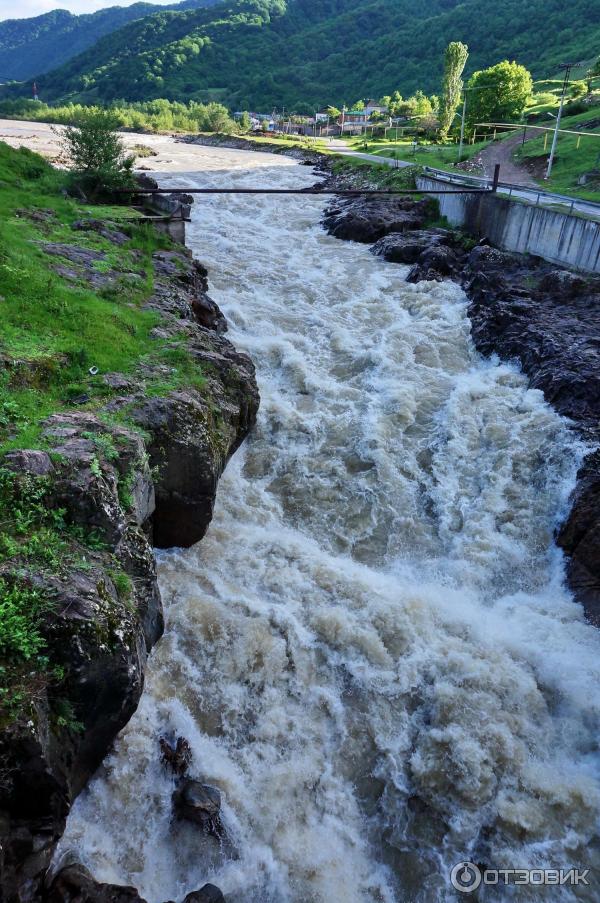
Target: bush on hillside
97,154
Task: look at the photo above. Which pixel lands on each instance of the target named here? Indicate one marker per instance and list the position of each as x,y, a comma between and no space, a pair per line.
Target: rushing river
372,653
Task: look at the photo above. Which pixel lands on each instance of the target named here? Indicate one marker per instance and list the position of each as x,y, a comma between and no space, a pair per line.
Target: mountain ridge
257,53
30,47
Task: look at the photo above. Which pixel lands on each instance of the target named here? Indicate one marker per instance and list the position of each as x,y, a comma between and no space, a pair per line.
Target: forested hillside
29,47
256,53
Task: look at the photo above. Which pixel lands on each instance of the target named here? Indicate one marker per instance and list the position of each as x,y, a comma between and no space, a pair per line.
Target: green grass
435,155
52,331
571,161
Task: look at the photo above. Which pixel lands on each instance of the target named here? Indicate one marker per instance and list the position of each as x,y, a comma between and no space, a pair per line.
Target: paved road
526,192
340,147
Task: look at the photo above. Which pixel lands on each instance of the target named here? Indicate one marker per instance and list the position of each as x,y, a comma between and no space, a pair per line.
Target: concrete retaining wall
517,226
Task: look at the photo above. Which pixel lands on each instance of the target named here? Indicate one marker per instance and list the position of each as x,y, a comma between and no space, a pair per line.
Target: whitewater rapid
372,653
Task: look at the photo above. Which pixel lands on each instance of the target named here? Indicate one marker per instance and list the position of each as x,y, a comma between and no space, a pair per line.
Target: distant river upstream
372,653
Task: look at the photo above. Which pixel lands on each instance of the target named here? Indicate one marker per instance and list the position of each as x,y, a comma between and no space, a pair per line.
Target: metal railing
510,189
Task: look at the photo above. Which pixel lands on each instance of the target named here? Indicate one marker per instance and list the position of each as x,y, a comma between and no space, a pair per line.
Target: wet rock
145,181
367,219
192,440
579,537
174,269
201,804
207,894
98,632
435,264
563,283
407,247
75,884
177,757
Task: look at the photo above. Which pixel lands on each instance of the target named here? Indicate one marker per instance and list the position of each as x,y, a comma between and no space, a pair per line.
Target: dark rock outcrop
199,803
367,218
408,247
106,616
75,884
122,485
207,894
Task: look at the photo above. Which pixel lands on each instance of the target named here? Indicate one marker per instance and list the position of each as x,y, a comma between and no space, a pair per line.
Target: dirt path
502,152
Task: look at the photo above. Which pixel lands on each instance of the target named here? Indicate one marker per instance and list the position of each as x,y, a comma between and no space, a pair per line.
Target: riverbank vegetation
153,116
81,290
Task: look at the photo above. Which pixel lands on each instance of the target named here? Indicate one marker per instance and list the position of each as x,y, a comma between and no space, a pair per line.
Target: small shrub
21,608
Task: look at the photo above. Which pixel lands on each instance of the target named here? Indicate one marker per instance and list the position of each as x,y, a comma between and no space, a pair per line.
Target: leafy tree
333,112
501,93
245,122
97,153
455,60
578,89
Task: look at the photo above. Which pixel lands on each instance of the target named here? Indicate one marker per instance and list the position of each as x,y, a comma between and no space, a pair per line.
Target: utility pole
567,67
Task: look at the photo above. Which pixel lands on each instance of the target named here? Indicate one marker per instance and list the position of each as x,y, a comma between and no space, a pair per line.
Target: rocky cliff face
141,470
521,308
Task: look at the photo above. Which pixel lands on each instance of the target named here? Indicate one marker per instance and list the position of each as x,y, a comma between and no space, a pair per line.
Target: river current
372,653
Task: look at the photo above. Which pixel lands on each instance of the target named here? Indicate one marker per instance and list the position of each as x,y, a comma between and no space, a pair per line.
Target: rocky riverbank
523,309
114,479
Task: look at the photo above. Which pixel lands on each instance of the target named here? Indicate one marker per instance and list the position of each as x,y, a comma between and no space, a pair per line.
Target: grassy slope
69,327
570,161
51,332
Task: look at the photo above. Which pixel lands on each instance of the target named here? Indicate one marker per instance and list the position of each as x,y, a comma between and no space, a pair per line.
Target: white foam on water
372,653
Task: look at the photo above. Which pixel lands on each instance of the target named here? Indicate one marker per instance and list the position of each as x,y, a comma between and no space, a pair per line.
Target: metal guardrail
549,197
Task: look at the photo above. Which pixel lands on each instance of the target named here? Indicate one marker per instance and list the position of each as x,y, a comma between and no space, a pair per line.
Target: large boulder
199,803
367,218
207,894
579,537
75,884
407,247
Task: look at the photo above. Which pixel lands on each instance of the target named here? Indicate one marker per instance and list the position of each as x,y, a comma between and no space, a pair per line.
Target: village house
372,106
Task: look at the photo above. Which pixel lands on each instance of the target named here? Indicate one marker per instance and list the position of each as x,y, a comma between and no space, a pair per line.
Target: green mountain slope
29,47
256,53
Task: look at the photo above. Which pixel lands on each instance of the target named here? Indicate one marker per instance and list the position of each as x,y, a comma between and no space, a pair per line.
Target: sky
22,9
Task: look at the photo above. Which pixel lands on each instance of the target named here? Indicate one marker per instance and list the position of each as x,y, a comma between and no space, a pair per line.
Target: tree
245,122
578,89
97,153
455,60
501,94
333,112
